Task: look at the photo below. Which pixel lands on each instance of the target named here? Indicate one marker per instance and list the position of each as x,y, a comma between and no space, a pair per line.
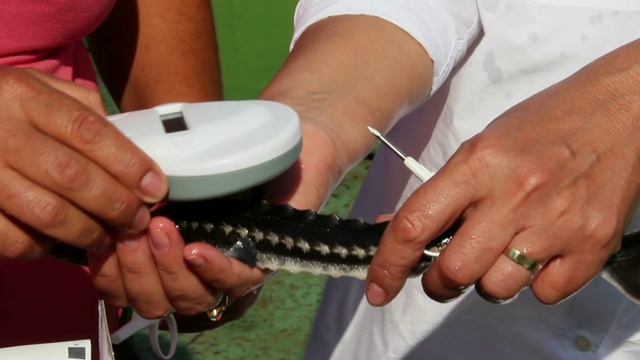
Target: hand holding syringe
416,168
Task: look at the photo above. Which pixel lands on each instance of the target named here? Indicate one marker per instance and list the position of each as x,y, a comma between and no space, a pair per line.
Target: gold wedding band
215,313
521,259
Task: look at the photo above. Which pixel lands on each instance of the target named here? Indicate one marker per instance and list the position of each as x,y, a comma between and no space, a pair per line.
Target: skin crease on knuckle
69,173
73,175
408,228
121,207
51,215
89,131
48,212
454,271
86,128
187,297
21,246
134,269
107,282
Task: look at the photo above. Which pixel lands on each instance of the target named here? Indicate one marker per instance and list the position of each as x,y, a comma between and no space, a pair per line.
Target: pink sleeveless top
48,35
47,300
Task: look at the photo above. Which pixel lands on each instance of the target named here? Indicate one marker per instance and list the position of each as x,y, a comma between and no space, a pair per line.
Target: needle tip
387,143
374,131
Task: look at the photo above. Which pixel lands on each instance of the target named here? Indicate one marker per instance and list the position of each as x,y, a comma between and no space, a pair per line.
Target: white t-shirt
488,56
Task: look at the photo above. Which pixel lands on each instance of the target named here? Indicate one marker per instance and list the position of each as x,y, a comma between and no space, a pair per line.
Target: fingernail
153,186
195,260
376,295
141,220
384,217
159,240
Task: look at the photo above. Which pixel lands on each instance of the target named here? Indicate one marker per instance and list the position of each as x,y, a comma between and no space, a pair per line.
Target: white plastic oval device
213,149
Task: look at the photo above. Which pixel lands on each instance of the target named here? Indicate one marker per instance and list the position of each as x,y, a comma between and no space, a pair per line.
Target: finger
383,218
65,172
141,280
563,276
106,277
474,248
514,269
18,242
420,220
89,133
188,294
222,272
86,96
48,214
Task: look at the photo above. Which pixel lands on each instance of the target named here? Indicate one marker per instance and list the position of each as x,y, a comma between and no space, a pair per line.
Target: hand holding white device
212,149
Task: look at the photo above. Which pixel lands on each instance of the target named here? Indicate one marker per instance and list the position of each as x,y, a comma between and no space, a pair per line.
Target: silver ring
521,259
216,312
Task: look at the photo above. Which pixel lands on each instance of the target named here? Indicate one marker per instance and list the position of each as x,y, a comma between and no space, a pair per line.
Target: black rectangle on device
77,353
173,122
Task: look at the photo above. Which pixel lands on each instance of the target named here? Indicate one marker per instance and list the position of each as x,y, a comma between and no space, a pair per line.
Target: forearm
151,52
359,70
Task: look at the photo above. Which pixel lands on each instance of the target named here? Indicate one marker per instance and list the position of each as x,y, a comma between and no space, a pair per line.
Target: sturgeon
280,237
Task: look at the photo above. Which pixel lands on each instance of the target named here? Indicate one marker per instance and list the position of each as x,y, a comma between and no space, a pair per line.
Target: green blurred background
253,40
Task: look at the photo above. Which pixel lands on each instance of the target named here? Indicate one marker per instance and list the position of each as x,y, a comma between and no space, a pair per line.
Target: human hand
555,177
336,95
215,272
67,174
148,271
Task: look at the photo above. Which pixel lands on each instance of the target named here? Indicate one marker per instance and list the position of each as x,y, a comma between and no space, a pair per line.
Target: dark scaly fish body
279,237
285,238
276,237
623,268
